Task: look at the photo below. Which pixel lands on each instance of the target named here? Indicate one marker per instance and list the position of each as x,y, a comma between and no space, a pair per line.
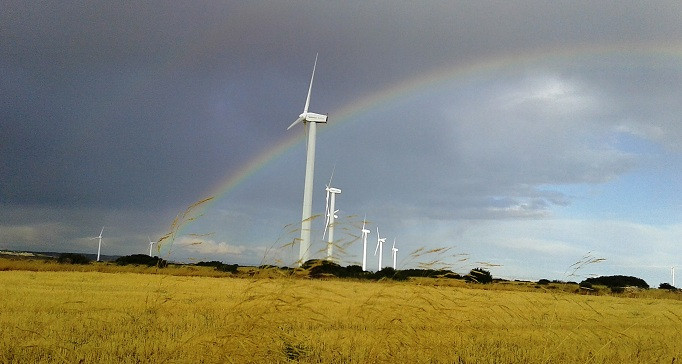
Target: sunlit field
92,317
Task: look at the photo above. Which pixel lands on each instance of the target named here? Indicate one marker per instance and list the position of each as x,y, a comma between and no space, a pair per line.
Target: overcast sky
521,135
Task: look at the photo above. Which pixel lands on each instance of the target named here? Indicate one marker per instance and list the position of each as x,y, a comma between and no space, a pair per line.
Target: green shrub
220,266
618,281
585,284
386,272
479,275
72,258
667,286
141,259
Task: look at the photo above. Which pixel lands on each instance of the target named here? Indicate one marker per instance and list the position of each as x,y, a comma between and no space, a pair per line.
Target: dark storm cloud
137,103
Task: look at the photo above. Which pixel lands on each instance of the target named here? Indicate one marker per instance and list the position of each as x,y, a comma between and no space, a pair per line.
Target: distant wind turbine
394,253
306,217
380,247
672,274
151,244
365,232
330,212
99,246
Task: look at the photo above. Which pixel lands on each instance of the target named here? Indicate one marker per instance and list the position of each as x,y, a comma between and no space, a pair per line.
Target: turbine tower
394,253
151,244
312,119
331,215
380,247
99,246
672,273
364,245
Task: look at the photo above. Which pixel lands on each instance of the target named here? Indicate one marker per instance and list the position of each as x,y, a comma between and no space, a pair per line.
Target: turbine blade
310,88
326,219
326,203
301,118
332,176
326,209
378,242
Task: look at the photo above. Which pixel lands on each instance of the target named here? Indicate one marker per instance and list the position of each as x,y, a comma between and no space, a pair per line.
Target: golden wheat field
99,317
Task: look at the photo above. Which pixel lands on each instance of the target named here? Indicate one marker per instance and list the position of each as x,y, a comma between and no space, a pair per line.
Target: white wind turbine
312,119
331,215
394,253
151,244
380,247
99,246
365,232
672,274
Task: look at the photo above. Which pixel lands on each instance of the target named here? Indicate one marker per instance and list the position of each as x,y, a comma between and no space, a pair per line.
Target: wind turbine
99,246
331,215
364,245
312,119
380,247
394,253
151,244
672,273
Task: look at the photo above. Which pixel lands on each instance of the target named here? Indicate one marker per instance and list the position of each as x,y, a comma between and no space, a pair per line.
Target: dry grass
130,317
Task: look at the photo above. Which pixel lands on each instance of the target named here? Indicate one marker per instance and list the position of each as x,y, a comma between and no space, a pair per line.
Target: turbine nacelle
151,245
100,235
314,117
364,222
309,117
333,190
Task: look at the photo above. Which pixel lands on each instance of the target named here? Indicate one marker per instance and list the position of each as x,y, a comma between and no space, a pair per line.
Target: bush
586,288
387,272
319,268
230,268
220,266
543,282
585,284
667,286
71,258
213,263
618,281
354,271
479,275
141,259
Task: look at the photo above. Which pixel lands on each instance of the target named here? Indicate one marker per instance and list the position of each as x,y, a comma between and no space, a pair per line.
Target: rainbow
435,78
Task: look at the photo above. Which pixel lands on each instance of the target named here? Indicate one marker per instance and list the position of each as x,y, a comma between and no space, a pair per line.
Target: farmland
133,316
